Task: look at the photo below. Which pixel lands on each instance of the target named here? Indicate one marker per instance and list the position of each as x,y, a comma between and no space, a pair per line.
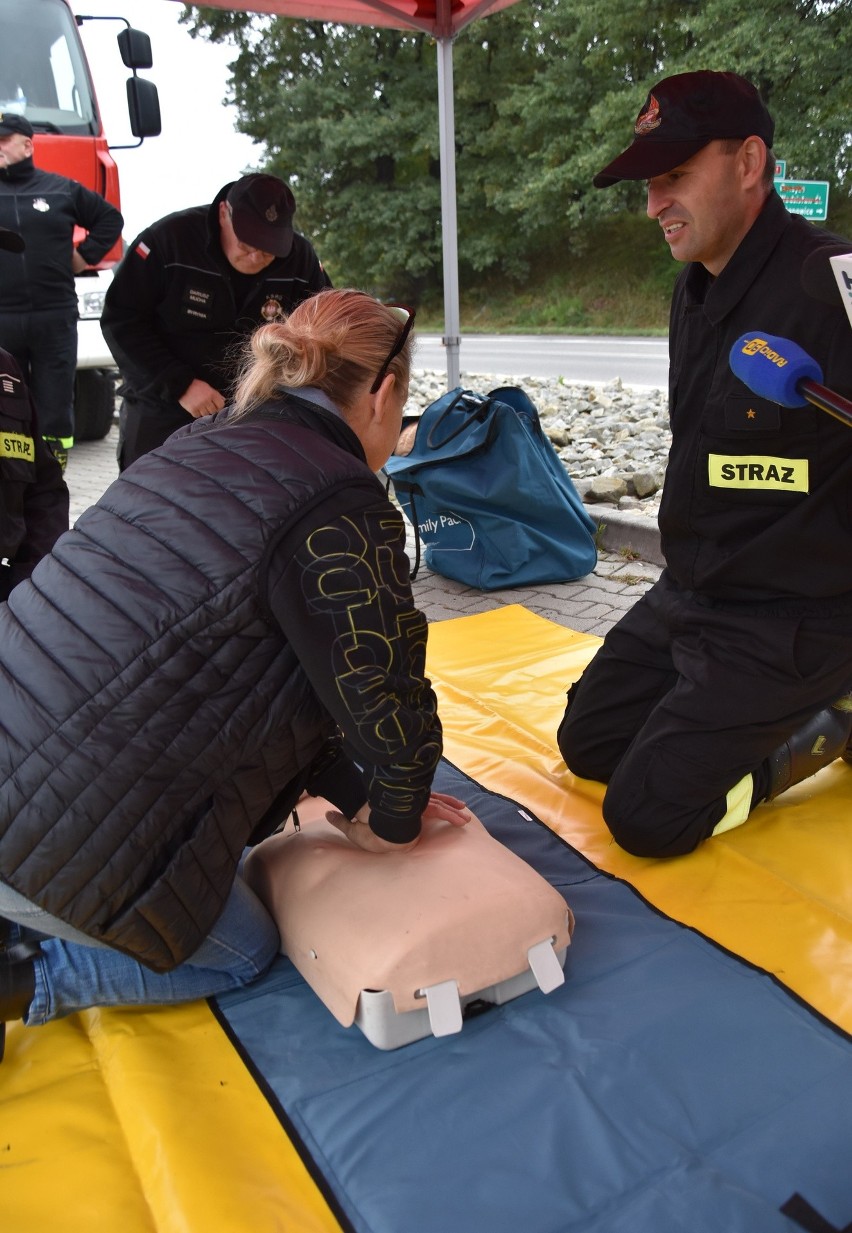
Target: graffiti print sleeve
344,602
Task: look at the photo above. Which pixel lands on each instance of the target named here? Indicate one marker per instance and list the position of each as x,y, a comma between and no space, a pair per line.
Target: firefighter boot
845,704
826,736
17,986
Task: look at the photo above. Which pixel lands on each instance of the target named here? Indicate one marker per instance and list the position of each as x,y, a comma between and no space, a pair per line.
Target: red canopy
441,18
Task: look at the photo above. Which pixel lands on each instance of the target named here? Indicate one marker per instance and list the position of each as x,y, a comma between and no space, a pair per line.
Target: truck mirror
135,48
143,104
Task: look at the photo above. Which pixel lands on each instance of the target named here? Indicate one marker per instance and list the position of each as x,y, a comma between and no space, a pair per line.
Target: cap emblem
271,215
649,119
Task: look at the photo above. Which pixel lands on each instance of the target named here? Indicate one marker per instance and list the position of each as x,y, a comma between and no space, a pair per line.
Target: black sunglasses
398,345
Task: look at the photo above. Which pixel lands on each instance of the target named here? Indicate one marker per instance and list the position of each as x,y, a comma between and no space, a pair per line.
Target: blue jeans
74,972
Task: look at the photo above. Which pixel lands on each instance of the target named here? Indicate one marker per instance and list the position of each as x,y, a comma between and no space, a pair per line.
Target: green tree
545,94
340,111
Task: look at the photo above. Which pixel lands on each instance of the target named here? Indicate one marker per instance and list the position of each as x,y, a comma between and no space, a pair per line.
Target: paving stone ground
590,605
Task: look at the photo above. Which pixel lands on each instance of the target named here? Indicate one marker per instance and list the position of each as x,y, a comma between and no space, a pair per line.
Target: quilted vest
150,710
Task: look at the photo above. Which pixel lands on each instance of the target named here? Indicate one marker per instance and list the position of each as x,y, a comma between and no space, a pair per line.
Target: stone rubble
613,439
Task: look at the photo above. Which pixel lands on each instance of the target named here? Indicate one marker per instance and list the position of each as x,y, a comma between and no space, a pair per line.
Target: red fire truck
44,76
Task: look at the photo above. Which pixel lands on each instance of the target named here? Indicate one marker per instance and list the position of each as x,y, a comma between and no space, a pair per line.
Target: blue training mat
666,1087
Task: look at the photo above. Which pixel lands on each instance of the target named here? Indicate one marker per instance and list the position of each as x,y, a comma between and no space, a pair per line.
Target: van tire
94,403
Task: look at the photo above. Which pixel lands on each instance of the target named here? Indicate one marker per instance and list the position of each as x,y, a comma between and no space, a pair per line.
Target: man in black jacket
730,680
33,494
38,297
192,286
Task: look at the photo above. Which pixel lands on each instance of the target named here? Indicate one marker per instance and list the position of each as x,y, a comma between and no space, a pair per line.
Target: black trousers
142,427
45,346
683,700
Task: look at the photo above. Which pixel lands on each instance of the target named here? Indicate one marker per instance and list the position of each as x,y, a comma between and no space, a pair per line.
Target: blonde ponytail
336,341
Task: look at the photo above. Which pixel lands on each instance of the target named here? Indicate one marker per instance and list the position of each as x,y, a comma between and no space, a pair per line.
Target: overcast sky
198,150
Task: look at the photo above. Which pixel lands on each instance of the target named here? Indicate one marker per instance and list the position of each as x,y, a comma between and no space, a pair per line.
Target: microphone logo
759,346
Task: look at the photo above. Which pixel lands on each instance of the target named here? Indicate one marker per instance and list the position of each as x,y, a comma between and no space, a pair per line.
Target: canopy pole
446,127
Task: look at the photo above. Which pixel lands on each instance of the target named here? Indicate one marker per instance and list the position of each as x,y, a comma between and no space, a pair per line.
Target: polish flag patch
143,250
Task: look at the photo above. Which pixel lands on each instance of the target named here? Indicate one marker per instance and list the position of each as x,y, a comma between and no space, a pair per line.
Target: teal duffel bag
488,497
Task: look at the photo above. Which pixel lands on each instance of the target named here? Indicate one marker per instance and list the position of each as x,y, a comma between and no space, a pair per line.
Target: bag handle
410,489
478,405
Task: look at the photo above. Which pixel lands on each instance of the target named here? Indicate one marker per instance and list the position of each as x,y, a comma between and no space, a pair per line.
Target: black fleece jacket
44,208
177,311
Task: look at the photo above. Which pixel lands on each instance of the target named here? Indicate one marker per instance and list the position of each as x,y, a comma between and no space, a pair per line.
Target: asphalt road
596,359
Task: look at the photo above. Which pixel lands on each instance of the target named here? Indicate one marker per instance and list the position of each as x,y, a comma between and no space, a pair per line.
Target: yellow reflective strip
17,445
758,472
739,806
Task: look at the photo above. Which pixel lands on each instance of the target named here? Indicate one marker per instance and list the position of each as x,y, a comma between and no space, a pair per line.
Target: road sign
807,197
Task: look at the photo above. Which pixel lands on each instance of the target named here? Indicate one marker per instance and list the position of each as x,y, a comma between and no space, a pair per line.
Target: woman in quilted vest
190,659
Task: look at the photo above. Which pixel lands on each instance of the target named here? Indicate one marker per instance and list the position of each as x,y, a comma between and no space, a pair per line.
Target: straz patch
758,473
17,445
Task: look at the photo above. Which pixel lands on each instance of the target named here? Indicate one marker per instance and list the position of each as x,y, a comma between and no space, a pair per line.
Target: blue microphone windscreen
773,367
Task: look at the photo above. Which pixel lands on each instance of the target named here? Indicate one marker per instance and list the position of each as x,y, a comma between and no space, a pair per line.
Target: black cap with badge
11,241
262,209
680,116
11,122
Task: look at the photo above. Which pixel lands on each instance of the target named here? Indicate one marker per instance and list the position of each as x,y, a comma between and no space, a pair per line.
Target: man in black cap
731,679
33,495
189,290
38,296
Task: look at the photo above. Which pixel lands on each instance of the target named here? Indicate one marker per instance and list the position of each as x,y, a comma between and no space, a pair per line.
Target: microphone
827,275
780,371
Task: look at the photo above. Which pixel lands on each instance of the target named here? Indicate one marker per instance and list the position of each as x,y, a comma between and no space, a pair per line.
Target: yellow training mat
144,1122
149,1121
776,891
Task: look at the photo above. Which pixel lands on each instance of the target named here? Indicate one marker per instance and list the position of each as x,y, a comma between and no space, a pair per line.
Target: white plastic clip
545,966
445,1012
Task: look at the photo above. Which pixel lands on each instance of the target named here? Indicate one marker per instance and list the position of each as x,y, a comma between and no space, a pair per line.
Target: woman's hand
357,830
450,808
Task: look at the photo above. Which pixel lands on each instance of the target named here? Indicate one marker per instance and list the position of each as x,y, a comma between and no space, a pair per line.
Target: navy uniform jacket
757,502
33,495
172,314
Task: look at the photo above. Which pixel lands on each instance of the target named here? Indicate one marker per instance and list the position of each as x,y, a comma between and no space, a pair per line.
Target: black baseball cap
680,116
262,209
11,122
11,241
